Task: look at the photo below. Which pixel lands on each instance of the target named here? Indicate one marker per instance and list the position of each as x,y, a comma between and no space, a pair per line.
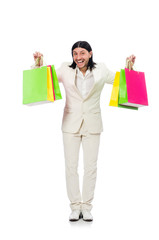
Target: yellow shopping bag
50,88
115,91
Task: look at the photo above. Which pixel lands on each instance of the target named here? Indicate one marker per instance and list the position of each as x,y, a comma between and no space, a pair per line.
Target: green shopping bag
35,85
40,85
56,84
123,97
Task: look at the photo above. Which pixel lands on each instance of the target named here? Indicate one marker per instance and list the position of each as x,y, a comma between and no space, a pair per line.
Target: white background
33,198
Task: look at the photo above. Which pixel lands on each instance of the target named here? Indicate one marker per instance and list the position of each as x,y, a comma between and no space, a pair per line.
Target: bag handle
36,64
129,64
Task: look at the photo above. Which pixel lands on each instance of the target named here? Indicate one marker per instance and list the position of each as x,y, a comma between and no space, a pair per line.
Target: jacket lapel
95,75
73,76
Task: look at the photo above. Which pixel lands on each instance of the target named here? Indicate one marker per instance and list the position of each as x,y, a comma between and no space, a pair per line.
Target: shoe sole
88,220
73,220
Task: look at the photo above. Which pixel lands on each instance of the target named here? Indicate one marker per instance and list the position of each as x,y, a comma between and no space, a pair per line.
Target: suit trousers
90,145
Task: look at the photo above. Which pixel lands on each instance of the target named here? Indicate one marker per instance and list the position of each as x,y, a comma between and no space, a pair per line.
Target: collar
79,72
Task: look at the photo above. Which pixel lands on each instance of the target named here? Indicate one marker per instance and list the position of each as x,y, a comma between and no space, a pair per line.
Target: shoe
87,216
75,215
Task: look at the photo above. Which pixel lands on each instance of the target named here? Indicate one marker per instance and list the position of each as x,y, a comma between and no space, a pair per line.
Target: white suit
82,123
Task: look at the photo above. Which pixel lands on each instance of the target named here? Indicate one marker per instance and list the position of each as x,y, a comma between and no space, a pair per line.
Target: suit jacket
78,108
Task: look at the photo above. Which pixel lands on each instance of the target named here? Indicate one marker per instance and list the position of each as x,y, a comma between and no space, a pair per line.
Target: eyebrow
80,51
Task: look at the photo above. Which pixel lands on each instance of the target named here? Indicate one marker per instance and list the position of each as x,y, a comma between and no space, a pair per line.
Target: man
83,81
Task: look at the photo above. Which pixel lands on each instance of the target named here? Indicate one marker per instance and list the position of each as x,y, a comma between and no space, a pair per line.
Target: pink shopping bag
136,88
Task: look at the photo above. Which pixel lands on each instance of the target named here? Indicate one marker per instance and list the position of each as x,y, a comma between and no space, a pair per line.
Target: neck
83,70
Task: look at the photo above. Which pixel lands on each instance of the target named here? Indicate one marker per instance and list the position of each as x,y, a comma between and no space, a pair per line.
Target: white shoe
87,216
75,215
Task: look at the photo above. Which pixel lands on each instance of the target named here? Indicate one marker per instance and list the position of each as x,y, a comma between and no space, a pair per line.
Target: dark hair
86,45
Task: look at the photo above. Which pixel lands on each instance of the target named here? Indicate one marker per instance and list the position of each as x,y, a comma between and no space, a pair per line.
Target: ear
90,54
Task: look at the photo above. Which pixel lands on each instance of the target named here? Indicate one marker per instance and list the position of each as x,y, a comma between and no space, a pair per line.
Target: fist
130,62
131,59
38,58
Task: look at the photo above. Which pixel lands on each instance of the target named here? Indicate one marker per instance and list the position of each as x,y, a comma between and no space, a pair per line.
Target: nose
78,57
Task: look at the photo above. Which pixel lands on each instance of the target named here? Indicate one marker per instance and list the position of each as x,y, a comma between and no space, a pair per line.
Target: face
81,57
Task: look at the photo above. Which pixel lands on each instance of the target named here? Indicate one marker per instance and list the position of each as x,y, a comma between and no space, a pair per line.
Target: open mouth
81,61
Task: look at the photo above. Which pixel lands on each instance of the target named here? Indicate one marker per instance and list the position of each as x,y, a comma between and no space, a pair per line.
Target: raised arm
111,75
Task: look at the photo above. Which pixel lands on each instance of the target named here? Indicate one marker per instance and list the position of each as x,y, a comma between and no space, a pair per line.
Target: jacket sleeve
59,72
109,75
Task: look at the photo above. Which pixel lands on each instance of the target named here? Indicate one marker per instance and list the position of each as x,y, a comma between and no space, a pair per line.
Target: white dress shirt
84,83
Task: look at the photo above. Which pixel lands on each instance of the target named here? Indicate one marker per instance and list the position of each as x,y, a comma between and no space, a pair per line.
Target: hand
131,58
130,62
38,58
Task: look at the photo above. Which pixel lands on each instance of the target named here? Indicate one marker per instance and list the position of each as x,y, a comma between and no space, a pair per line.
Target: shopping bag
50,86
114,101
132,88
38,86
56,84
35,85
115,91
